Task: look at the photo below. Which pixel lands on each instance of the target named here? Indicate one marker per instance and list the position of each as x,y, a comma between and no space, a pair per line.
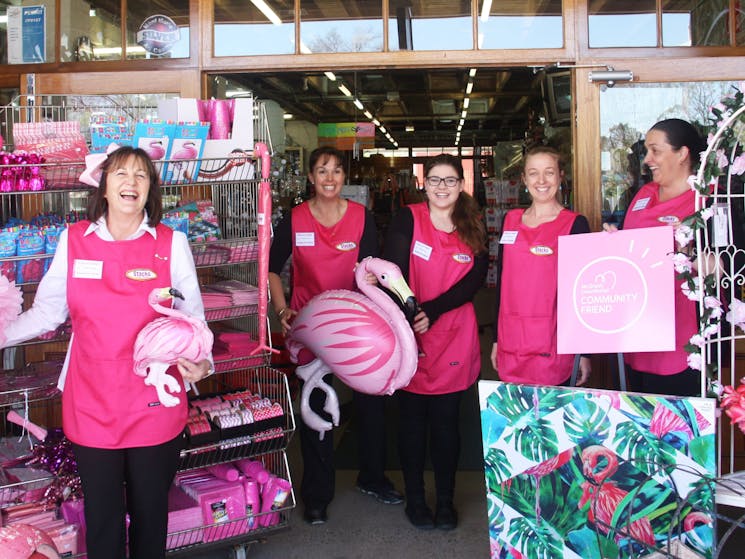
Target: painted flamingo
698,531
161,342
605,496
543,469
155,150
187,151
365,340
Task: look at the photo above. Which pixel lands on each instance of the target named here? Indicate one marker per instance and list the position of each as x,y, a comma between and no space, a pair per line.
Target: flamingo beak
401,289
173,292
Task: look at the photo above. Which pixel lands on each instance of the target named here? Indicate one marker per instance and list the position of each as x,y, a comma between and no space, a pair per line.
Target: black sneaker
315,516
445,517
386,494
420,515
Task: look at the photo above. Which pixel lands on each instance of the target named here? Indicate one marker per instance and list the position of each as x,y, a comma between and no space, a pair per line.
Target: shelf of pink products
249,420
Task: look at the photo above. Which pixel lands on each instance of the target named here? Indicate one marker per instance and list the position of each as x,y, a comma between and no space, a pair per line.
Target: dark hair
544,150
323,154
681,133
466,213
98,206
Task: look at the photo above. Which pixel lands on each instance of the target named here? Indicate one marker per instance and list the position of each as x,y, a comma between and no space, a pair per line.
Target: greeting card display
184,155
576,473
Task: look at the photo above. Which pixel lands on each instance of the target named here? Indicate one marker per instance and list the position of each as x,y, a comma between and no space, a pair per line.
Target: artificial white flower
694,361
711,302
706,213
682,263
736,314
722,160
688,292
683,235
697,340
738,165
710,329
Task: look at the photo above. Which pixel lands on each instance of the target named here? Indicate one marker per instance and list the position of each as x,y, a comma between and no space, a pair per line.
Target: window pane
89,34
158,29
520,25
622,24
341,26
27,32
243,29
626,114
692,22
430,25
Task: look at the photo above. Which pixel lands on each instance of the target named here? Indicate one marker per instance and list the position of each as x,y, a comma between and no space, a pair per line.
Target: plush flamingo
605,496
364,340
23,541
161,342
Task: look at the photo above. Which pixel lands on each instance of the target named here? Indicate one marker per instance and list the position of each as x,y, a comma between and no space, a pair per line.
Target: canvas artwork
574,474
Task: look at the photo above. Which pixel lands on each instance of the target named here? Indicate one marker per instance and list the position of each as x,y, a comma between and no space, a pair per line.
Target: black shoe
445,516
419,515
384,493
315,516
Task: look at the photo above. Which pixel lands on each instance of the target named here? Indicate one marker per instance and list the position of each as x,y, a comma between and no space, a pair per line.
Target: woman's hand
585,368
494,356
610,227
421,323
194,372
286,316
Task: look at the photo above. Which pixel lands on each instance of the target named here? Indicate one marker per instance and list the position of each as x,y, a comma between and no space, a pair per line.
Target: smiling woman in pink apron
126,443
524,349
440,246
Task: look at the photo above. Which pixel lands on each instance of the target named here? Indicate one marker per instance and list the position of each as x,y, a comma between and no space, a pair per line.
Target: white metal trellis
719,350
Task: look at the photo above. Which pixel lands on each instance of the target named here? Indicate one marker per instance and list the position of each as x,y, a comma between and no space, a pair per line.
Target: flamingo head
389,276
598,463
163,294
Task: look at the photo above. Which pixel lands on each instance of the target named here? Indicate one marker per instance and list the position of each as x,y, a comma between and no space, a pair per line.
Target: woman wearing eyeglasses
440,246
524,349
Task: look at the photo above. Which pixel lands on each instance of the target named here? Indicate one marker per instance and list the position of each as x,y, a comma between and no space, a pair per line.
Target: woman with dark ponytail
440,246
674,150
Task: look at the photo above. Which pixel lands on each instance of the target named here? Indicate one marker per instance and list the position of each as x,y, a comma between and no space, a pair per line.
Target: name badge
422,251
640,204
305,239
87,269
508,238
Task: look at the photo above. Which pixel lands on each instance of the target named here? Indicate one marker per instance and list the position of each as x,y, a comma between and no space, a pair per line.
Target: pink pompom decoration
11,303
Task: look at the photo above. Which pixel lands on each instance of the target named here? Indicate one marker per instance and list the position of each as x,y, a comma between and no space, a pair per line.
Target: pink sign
616,292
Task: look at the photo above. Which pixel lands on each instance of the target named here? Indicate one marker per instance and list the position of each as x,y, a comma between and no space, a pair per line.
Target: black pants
685,383
434,418
371,439
319,475
134,480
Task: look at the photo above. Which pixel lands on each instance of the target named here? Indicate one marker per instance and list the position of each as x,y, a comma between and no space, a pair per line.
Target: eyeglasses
450,182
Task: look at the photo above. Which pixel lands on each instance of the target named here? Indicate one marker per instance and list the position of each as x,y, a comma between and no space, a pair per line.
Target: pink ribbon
93,165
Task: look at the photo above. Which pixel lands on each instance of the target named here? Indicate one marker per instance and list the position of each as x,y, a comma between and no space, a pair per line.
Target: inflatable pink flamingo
161,342
23,541
364,340
188,151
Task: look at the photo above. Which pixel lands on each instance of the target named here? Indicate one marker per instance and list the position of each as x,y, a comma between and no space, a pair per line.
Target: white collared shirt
49,309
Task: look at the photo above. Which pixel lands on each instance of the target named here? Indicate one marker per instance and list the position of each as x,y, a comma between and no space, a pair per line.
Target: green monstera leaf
586,423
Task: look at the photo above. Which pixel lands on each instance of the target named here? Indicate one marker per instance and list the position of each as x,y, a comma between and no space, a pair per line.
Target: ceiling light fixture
267,11
469,88
330,75
343,88
472,73
466,102
368,114
358,104
409,128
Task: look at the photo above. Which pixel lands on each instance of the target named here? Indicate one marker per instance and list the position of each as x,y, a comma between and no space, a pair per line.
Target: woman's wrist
281,312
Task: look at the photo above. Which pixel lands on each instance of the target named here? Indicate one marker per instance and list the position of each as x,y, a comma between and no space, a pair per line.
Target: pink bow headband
93,165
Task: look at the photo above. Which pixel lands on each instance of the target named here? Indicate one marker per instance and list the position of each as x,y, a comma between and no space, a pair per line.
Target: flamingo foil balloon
363,338
161,342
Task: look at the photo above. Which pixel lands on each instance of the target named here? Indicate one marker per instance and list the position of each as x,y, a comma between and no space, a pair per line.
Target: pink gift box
223,505
184,513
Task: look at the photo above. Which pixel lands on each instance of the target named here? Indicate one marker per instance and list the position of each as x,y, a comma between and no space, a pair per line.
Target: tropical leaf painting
574,473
